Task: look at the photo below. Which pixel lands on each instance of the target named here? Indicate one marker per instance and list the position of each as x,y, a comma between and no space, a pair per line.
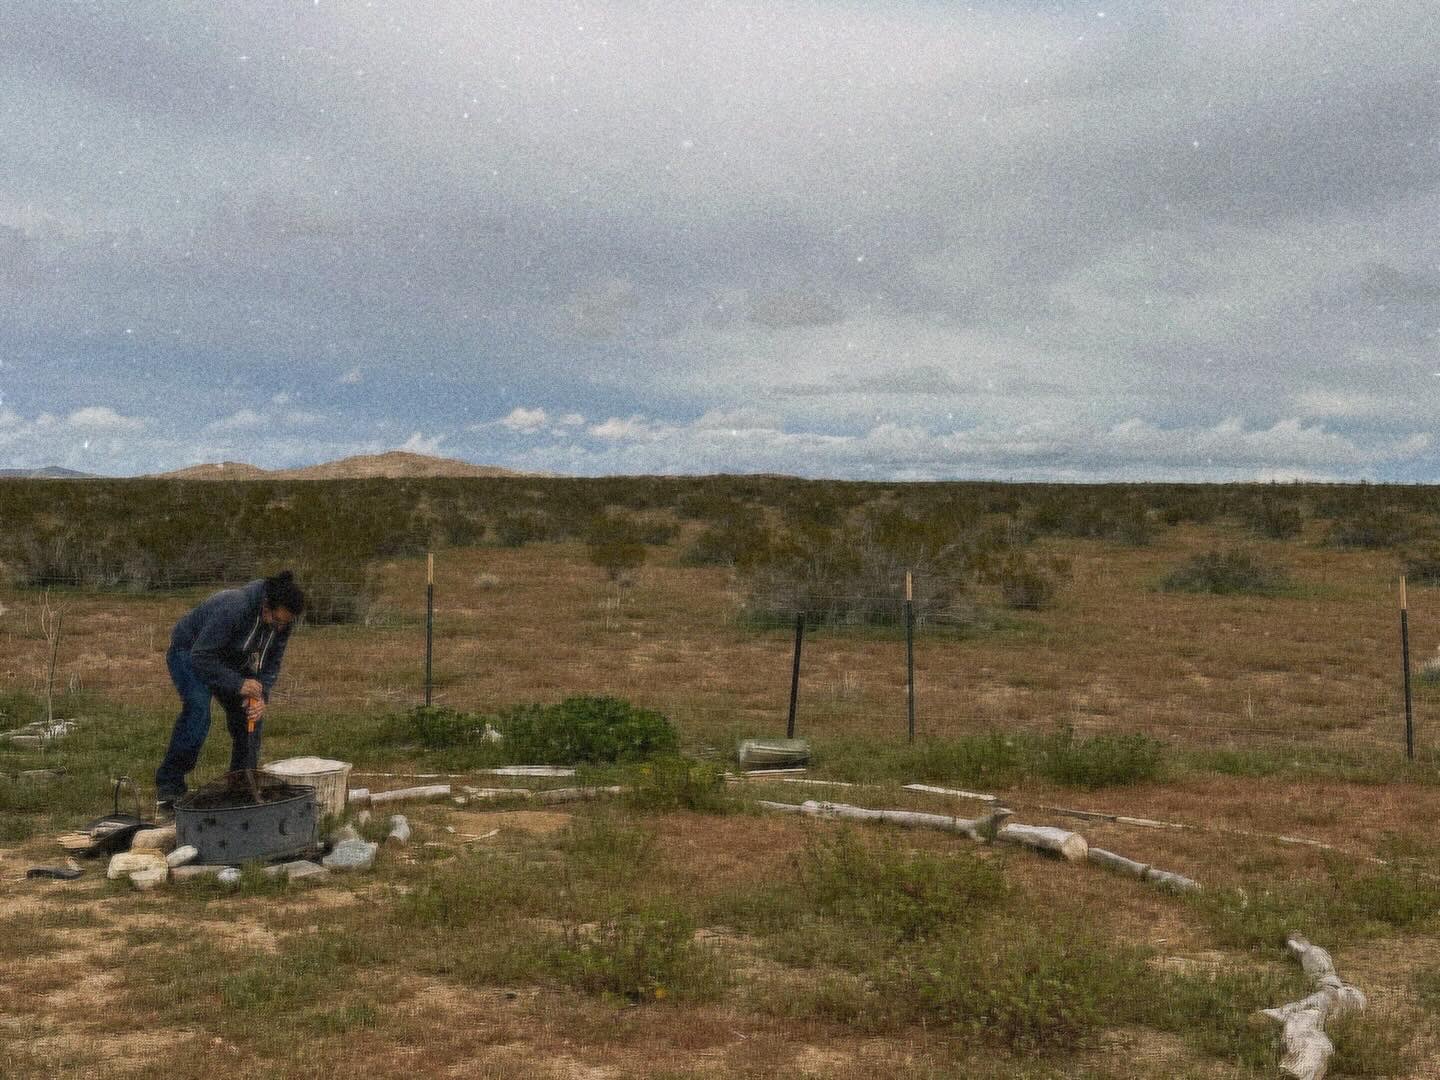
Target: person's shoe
165,810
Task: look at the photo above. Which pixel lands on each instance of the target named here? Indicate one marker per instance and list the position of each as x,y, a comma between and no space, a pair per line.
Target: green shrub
890,890
648,954
1018,986
1232,571
580,729
1275,519
1422,566
1382,528
677,783
737,541
1100,761
615,544
1025,583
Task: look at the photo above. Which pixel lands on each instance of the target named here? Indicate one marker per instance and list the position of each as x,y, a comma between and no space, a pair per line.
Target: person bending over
230,648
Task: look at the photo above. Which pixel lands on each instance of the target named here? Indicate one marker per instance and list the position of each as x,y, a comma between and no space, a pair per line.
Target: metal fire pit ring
285,827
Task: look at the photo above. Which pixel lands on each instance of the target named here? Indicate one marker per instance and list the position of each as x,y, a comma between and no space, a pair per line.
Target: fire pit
248,815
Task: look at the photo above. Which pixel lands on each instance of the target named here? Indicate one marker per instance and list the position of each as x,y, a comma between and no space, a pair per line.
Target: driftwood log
1070,846
410,794
1307,1047
554,795
982,828
955,792
1143,871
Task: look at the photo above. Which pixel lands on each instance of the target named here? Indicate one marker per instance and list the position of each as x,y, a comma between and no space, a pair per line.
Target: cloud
525,421
917,218
631,428
101,418
243,420
419,444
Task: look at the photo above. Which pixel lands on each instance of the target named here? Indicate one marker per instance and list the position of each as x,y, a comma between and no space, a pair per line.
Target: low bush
677,783
648,954
615,544
1018,986
578,730
1381,528
887,889
1101,761
1234,571
585,729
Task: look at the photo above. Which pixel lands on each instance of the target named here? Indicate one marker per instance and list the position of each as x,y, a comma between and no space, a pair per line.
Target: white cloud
419,444
632,428
351,378
525,421
101,418
244,420
301,418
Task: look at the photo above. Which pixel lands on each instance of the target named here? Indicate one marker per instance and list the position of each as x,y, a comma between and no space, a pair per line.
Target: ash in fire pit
248,815
245,787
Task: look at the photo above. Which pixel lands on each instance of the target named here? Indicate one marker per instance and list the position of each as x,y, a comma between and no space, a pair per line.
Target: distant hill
50,472
395,464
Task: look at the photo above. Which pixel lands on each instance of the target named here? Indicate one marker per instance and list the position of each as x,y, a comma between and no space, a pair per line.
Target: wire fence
723,666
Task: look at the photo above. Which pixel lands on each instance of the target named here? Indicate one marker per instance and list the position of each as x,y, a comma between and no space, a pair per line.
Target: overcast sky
1024,241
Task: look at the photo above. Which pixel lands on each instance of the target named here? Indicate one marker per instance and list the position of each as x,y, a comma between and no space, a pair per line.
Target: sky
896,239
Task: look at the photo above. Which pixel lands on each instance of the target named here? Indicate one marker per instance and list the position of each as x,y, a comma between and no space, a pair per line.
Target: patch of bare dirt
536,822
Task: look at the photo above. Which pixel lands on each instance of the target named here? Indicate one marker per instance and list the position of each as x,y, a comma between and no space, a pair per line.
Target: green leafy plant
1234,571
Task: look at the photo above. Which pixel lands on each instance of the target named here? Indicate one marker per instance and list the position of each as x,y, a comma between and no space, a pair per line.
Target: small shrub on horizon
1233,571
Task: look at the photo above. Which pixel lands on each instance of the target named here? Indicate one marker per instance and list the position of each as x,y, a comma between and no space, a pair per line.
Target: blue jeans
193,724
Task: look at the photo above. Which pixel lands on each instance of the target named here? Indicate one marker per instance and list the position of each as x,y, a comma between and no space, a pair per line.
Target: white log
410,794
982,828
1118,819
1307,1047
1143,871
399,830
530,770
1070,846
498,792
358,796
957,792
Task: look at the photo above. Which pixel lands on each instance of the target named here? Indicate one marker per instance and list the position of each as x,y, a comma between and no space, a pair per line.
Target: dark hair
281,591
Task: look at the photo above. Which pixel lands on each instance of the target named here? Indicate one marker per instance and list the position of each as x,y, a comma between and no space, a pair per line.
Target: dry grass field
614,939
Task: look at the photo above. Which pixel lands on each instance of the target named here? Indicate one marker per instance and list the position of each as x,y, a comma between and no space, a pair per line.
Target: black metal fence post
910,654
429,626
1405,661
795,674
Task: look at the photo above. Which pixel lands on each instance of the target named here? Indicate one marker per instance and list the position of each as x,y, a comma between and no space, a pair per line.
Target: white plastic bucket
330,779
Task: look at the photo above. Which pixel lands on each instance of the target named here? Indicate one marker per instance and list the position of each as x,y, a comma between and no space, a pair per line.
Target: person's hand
251,688
254,709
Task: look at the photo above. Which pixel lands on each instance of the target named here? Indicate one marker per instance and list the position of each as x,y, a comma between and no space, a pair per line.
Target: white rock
151,878
297,870
351,855
161,839
127,862
229,876
399,830
182,855
196,870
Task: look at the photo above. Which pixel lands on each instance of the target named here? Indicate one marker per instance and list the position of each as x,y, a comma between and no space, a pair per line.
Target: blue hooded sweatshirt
229,643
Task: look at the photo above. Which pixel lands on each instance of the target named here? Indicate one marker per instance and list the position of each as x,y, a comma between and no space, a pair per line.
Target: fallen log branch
1070,846
983,829
410,794
1143,871
958,793
1307,1047
1116,819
